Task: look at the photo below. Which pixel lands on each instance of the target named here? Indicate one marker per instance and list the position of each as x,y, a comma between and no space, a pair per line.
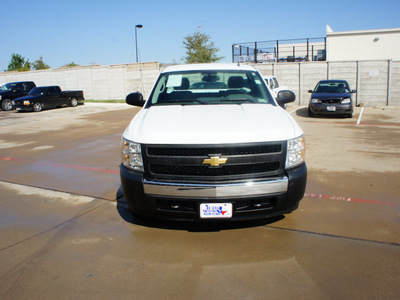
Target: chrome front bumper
216,190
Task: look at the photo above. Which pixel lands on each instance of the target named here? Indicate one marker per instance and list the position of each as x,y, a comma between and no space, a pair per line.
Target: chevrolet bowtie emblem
214,161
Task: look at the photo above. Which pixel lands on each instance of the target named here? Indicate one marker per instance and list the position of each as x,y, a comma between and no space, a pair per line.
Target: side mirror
310,91
135,99
285,96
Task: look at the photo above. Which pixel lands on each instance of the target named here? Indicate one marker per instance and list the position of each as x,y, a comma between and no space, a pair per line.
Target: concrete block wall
310,74
372,87
377,82
97,82
394,81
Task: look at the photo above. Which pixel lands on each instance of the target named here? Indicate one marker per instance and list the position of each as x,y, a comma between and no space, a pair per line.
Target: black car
331,97
13,90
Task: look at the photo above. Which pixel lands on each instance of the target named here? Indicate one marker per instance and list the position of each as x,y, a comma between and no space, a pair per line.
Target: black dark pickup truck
45,97
13,90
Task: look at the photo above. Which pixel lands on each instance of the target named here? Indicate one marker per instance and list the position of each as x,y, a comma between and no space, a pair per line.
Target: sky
103,32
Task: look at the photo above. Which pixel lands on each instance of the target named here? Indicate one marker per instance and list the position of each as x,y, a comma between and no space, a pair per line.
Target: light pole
136,27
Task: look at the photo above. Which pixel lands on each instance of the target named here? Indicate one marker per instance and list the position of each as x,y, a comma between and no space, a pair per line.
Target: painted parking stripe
348,199
359,117
349,124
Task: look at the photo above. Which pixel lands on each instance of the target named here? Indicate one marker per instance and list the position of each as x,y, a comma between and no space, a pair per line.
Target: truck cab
45,97
274,86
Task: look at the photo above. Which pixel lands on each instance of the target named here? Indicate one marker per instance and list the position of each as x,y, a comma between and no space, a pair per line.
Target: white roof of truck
215,66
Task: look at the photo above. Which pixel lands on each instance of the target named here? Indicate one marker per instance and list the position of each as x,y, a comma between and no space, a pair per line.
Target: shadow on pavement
303,112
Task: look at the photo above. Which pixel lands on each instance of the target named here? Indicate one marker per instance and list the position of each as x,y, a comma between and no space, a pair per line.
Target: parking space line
353,124
348,199
359,117
60,165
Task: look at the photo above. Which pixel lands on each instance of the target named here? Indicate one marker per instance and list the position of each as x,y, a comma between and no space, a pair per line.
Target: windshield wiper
186,101
239,99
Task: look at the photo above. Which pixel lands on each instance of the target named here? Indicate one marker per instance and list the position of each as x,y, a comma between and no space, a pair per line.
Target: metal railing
307,49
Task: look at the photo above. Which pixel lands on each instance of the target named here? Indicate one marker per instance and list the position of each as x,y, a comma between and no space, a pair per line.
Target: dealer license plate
331,108
215,210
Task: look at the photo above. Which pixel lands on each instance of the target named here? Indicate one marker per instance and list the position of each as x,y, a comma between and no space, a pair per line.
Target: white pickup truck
211,143
274,86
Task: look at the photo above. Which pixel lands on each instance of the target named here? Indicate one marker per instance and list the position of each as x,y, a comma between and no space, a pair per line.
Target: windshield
37,91
210,87
8,87
332,87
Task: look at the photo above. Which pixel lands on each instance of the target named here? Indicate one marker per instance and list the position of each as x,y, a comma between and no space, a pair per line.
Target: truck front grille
274,148
186,162
206,171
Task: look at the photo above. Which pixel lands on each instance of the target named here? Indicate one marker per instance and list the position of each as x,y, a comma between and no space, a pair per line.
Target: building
381,44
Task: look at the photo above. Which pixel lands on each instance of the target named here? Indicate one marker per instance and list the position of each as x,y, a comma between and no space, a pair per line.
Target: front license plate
331,108
215,210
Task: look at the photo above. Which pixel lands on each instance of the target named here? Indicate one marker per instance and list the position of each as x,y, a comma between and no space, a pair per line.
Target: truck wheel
37,107
73,102
6,105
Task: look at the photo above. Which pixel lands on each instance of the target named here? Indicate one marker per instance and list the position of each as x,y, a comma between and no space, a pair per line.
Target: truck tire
37,107
73,102
7,105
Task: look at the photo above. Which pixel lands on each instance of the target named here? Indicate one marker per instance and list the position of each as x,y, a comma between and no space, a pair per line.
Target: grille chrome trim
216,190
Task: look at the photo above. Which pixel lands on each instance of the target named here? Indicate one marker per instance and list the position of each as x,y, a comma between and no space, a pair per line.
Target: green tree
199,49
72,65
18,63
40,65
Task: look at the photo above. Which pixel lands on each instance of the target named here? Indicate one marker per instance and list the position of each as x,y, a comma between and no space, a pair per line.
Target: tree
18,63
199,49
71,65
39,64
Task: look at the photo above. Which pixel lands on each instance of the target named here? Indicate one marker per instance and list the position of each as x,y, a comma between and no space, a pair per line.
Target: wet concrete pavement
64,235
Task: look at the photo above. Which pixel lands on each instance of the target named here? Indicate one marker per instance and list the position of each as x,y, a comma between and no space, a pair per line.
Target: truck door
18,91
53,97
26,87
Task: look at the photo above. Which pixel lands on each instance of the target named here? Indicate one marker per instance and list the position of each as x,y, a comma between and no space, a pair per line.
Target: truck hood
212,124
29,97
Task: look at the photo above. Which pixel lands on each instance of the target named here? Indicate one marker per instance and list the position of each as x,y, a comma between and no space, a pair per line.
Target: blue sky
102,32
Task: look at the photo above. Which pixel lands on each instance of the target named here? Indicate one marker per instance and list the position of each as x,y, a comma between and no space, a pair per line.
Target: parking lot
66,232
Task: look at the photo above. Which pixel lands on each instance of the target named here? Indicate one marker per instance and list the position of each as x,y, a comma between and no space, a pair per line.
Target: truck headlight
346,101
132,155
315,100
295,152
